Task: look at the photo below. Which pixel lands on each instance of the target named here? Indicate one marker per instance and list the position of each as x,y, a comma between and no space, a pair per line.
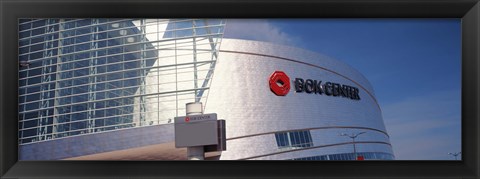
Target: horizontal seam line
313,128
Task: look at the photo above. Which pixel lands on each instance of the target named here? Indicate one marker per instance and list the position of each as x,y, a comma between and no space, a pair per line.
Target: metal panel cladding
256,118
90,76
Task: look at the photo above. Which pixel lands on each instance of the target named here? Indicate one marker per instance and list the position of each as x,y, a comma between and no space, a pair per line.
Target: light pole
455,154
353,136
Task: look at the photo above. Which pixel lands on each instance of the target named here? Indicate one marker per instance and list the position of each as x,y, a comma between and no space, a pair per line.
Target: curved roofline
372,91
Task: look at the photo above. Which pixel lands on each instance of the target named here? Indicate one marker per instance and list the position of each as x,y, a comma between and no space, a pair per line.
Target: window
35,72
33,97
351,156
294,139
282,140
32,81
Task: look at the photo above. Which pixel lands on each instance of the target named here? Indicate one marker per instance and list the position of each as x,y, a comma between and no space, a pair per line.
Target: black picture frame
467,10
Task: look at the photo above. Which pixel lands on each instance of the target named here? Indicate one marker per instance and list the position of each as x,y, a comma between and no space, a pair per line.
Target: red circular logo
187,119
279,83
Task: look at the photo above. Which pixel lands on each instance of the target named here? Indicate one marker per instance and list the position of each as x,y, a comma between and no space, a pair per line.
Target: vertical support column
143,77
213,46
45,88
195,77
49,69
158,73
58,78
197,152
176,68
92,79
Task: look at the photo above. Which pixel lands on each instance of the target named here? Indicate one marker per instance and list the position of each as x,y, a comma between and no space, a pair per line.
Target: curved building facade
299,125
113,84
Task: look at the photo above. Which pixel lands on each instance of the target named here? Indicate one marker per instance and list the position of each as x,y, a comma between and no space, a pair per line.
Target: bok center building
279,102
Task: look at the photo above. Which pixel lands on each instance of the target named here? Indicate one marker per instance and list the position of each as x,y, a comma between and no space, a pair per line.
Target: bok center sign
196,130
279,83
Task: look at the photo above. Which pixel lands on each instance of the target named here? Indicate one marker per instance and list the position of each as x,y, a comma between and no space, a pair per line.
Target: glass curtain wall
82,76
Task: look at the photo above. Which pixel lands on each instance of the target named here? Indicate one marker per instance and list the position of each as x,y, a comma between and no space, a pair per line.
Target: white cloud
260,30
425,127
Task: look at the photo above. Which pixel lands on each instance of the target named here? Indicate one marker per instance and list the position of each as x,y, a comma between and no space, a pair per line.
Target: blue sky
414,66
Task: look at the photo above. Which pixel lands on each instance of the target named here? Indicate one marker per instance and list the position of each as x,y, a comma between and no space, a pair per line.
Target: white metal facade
240,94
153,67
